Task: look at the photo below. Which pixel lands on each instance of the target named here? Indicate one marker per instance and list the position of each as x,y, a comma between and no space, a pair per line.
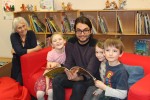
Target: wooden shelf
127,19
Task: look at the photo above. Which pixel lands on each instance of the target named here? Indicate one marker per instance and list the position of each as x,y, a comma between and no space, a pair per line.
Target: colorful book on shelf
93,28
54,24
148,23
49,25
31,23
105,23
119,24
102,25
80,71
66,24
142,47
39,26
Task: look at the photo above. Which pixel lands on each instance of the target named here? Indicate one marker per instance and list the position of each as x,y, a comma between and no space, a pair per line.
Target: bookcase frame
127,18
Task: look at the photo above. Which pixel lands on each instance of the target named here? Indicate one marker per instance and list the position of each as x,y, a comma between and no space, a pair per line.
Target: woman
23,41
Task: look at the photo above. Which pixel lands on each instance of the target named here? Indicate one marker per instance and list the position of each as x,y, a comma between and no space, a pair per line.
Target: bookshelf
128,22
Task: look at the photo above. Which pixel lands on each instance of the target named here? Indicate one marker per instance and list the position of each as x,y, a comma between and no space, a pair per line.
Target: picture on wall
47,5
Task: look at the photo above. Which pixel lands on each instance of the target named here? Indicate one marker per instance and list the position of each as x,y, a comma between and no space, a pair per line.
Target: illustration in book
80,71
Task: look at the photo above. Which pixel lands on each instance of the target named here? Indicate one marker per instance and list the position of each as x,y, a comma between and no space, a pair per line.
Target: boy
115,84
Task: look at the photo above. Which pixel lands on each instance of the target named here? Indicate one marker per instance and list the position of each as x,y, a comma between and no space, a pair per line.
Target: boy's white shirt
121,94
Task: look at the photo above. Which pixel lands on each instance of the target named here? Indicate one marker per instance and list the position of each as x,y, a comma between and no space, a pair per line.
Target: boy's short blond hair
117,43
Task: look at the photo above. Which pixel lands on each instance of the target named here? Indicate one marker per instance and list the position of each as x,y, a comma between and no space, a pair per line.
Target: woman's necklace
23,39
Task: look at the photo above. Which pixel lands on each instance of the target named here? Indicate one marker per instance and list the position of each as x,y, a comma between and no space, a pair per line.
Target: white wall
5,25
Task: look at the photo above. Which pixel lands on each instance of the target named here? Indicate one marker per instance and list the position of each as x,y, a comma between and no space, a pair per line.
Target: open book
57,70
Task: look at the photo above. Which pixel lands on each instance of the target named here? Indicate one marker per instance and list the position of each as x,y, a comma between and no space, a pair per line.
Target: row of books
38,26
66,24
143,23
142,47
103,25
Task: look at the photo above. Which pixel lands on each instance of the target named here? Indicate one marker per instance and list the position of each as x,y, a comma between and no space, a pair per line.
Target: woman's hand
13,51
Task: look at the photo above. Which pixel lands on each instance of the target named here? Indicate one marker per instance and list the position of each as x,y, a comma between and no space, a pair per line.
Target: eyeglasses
85,31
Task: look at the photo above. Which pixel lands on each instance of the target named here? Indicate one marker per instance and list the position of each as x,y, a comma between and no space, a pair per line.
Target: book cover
142,47
81,71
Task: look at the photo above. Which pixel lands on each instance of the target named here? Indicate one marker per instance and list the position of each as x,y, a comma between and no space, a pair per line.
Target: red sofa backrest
136,60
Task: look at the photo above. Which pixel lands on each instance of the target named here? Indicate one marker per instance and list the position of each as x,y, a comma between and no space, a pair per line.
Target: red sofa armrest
140,90
32,63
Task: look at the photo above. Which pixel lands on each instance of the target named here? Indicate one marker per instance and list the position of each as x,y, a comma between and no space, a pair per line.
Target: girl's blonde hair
57,33
117,43
16,21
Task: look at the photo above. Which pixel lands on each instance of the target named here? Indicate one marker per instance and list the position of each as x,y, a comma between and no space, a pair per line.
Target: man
79,52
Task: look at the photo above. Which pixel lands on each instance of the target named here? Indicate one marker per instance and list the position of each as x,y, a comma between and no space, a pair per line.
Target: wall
5,25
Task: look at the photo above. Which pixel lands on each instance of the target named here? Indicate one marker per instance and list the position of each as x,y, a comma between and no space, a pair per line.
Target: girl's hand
100,85
53,64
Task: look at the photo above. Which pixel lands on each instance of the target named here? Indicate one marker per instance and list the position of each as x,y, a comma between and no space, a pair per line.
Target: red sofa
31,69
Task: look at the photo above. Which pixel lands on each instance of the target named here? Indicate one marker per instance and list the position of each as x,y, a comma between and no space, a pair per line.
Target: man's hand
72,75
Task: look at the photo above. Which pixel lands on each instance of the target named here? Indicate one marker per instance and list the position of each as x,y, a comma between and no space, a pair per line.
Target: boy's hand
97,92
100,85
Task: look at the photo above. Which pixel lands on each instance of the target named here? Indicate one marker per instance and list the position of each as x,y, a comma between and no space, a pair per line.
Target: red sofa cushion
11,90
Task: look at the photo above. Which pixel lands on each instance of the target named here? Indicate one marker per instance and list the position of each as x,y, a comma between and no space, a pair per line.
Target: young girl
115,84
55,57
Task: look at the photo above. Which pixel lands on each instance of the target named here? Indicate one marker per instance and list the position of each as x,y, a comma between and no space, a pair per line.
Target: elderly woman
23,41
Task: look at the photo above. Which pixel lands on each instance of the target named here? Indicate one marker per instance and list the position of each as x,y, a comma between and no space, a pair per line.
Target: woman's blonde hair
16,21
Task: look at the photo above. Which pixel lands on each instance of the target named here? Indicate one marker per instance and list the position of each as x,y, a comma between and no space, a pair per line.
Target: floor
5,70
